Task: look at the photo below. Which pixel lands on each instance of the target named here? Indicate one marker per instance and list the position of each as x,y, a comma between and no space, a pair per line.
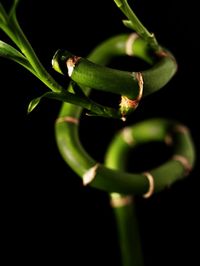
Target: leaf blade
9,52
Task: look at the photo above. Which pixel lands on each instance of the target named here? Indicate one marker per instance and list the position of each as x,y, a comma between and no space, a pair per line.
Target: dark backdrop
48,216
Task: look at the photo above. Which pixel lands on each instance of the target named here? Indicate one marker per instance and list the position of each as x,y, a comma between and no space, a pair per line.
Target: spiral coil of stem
93,73
112,177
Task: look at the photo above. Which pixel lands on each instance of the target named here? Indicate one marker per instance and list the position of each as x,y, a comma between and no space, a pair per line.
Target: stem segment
136,25
128,231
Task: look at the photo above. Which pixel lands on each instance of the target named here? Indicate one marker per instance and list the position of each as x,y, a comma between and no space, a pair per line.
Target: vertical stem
128,232
137,24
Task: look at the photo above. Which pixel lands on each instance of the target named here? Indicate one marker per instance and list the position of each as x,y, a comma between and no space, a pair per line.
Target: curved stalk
111,180
96,76
93,73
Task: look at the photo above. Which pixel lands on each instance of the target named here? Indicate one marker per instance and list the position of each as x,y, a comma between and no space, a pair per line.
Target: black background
47,215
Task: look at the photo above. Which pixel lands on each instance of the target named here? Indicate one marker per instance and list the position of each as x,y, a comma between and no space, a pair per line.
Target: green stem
136,24
92,75
124,210
111,177
128,231
112,180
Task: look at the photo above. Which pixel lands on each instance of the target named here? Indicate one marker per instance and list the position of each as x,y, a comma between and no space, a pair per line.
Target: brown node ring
71,63
127,104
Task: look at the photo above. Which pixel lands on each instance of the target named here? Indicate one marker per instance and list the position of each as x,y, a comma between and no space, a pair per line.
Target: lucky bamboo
93,73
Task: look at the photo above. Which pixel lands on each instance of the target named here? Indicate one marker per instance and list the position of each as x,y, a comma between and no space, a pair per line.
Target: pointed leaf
118,3
33,104
11,53
13,8
52,95
3,15
128,24
94,108
9,23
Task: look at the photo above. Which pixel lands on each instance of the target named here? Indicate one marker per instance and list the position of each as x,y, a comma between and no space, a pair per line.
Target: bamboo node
90,174
118,200
129,43
168,140
184,161
68,119
151,185
181,129
138,76
127,104
128,136
71,63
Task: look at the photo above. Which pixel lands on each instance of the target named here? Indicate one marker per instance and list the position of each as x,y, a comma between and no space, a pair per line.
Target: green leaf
93,108
52,95
128,24
13,8
33,104
118,3
10,25
9,52
3,15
